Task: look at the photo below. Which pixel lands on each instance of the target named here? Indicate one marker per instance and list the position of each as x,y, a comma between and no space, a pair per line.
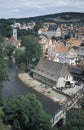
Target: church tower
14,31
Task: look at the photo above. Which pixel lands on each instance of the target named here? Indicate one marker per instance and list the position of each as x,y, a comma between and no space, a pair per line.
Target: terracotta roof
61,48
50,23
81,30
43,29
13,41
73,42
12,38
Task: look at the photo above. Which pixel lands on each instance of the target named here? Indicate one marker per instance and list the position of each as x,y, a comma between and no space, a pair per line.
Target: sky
30,8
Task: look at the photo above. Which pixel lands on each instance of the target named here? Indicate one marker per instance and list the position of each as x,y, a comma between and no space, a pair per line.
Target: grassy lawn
2,126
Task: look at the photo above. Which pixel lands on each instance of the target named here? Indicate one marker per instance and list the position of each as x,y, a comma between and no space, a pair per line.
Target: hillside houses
50,33
69,51
67,45
62,42
25,26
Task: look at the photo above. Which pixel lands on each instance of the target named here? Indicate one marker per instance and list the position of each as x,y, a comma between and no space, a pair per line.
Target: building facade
52,73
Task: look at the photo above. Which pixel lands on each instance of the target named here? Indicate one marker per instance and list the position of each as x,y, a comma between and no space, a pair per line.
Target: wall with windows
44,79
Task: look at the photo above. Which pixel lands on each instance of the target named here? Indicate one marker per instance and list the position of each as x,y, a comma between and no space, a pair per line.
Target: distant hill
60,17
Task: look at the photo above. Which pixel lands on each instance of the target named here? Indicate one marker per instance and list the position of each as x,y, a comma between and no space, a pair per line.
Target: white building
71,57
14,31
58,32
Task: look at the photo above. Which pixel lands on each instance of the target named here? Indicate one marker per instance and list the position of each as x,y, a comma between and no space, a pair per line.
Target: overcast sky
30,8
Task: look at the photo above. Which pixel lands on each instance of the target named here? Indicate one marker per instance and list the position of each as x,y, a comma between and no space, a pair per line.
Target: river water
15,87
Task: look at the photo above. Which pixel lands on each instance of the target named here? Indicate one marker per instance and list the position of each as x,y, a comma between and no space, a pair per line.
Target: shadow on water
15,87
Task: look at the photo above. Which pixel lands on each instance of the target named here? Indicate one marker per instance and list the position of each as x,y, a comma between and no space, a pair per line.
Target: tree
9,50
3,71
67,36
37,26
75,120
53,38
5,29
20,57
3,67
26,113
23,32
33,50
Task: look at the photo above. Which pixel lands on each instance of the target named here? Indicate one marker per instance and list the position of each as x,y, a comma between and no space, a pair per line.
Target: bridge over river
61,113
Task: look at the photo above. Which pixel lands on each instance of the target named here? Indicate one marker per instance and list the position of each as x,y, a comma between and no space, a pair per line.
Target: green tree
75,119
26,113
3,71
23,32
53,38
3,67
5,29
33,50
67,36
9,50
20,57
37,26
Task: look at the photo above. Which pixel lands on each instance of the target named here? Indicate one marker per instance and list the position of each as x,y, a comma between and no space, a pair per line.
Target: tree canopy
3,71
33,49
37,26
26,113
9,49
20,57
3,67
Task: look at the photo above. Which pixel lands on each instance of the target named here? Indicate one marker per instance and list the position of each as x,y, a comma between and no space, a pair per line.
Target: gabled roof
71,54
51,70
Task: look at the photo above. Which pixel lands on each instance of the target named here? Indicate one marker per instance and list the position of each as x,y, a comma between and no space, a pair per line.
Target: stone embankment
41,88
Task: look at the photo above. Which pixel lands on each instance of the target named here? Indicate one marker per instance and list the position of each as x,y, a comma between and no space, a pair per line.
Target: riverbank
41,88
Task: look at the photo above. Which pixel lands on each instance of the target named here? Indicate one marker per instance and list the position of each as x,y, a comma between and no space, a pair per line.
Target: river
15,87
